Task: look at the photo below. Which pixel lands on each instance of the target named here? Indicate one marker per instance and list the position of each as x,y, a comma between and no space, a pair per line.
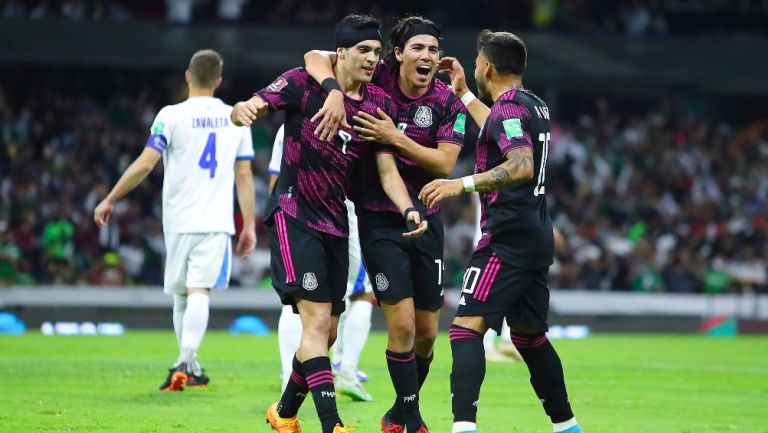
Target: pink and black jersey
437,115
515,221
315,175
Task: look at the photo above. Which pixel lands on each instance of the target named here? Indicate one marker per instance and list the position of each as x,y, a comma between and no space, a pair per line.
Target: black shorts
307,264
401,268
495,290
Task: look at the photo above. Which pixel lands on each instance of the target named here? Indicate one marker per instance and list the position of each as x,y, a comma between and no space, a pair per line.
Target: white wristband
467,98
469,183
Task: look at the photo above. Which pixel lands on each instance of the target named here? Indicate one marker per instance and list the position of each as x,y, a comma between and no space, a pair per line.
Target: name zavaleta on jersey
199,145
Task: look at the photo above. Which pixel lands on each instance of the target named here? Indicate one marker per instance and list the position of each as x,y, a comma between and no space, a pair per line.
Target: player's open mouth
368,70
423,70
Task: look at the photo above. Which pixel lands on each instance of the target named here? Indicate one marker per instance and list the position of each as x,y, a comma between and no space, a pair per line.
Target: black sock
295,392
422,369
317,372
422,366
467,372
404,374
546,374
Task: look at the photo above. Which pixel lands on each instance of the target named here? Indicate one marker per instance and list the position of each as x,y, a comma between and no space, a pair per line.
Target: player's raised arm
245,112
396,190
476,108
382,129
131,178
319,65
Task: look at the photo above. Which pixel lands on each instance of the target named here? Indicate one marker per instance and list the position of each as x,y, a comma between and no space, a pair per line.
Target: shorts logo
310,281
382,283
423,117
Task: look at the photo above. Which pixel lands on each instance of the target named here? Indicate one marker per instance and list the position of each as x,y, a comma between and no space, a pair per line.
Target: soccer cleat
361,376
388,426
282,425
573,429
351,387
423,429
195,381
176,379
342,429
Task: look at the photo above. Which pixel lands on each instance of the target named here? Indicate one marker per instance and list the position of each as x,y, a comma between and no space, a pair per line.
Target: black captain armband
330,84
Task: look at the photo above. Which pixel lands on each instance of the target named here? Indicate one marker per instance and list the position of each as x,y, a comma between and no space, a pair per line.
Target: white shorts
198,261
357,279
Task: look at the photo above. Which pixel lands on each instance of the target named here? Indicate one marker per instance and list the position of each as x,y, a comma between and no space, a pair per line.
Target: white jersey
200,146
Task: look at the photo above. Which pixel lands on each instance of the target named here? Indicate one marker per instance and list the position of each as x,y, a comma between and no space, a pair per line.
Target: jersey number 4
208,158
539,188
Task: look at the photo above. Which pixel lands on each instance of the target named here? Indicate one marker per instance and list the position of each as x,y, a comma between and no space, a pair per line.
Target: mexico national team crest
310,281
382,283
423,116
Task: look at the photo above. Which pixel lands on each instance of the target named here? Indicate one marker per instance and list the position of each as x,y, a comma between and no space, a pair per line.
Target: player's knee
426,336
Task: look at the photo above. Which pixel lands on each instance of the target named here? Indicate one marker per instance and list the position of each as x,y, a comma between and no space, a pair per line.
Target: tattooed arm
517,169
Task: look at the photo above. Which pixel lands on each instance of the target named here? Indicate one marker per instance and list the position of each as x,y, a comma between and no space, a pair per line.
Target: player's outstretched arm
319,65
132,177
382,129
451,67
245,112
245,197
396,190
517,169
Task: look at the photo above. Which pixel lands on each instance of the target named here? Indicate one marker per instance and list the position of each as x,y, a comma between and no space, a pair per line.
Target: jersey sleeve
508,127
160,131
245,147
277,151
388,105
453,125
285,91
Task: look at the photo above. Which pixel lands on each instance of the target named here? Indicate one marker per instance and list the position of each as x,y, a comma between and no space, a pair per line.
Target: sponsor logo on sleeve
278,84
460,124
513,128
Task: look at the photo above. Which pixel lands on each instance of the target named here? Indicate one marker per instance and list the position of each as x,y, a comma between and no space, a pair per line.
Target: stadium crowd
636,18
655,201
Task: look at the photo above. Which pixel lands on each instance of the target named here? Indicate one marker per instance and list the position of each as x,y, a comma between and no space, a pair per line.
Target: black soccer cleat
195,381
177,378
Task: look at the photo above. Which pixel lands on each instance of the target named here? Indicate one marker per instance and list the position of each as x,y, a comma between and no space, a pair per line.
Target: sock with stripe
405,379
317,372
467,373
295,392
546,375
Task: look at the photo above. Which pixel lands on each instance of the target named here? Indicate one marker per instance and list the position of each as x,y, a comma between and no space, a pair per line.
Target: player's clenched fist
437,190
245,112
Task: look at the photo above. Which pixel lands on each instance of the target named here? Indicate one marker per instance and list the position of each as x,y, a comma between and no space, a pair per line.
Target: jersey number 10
208,158
539,188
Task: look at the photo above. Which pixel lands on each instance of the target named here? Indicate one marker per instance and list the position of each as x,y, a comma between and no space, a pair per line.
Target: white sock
489,341
565,425
357,325
179,306
506,333
288,339
464,426
193,327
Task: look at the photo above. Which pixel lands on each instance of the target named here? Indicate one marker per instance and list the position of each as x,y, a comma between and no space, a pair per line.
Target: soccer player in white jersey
203,154
354,323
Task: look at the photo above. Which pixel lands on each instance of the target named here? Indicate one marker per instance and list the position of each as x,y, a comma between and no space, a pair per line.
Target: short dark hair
504,50
205,68
355,22
402,27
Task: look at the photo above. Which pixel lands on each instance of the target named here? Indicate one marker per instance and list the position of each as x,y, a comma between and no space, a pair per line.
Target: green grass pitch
617,383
